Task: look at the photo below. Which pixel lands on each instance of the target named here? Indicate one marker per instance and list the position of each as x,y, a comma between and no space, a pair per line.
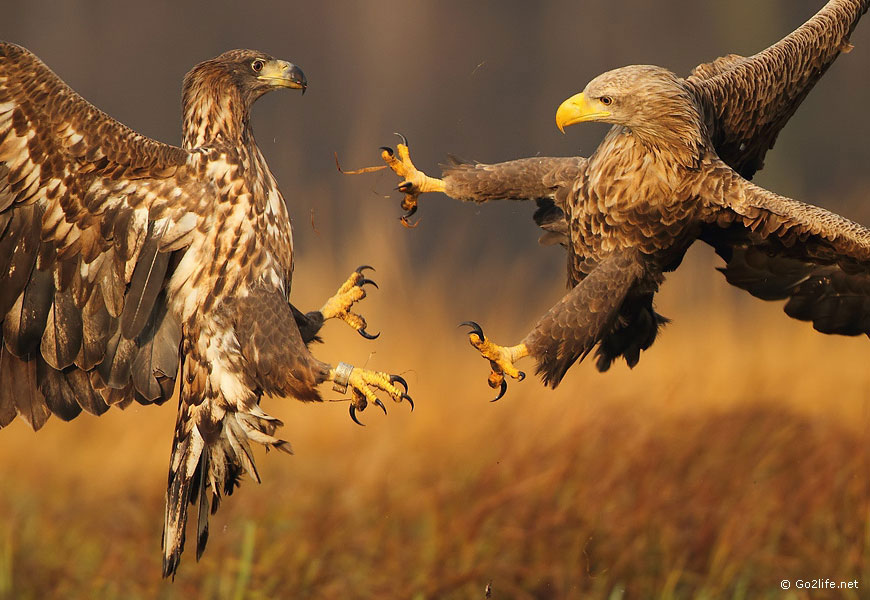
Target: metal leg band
342,375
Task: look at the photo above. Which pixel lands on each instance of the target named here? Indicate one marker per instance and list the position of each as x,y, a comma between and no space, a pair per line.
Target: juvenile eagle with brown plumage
674,168
130,269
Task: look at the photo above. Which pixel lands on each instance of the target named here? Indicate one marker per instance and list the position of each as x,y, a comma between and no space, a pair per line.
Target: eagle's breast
630,197
244,237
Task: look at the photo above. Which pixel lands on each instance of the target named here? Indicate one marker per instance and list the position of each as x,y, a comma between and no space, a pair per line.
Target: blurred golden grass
734,456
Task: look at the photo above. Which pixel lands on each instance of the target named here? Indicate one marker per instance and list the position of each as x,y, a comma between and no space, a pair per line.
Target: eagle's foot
364,383
501,358
351,291
414,182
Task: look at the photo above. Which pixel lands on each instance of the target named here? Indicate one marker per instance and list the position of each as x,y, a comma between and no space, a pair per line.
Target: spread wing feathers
543,179
777,248
219,413
585,315
91,214
749,100
523,179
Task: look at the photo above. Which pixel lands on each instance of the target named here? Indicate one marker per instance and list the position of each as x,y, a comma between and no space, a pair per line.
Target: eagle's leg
364,383
414,182
351,291
501,358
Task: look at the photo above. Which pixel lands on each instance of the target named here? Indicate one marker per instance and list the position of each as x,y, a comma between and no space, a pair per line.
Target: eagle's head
218,93
249,72
651,101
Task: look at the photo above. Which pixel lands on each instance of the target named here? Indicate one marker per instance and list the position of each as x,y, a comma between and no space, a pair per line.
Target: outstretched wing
777,249
91,214
545,180
522,179
585,316
748,101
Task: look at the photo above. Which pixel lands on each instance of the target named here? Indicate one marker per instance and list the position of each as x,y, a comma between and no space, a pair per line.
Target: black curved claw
400,381
404,218
501,391
387,149
353,416
406,187
368,281
403,138
408,398
362,268
521,376
368,335
381,404
475,328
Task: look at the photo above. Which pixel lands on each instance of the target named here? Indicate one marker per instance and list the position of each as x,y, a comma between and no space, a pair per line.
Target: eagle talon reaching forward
364,385
131,270
675,168
350,292
501,358
414,182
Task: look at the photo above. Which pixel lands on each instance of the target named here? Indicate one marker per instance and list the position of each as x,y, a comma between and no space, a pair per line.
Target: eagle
675,167
132,270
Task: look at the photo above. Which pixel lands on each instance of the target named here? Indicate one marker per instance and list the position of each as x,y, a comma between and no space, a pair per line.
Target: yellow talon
399,161
501,358
364,383
414,182
351,291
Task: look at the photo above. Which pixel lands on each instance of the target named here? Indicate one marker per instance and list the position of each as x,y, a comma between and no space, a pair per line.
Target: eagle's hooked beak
577,109
281,73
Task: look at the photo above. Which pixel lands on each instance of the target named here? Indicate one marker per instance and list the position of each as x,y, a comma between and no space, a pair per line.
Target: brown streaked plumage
674,168
131,270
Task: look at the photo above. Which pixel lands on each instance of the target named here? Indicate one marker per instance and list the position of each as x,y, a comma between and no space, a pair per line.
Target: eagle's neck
675,131
669,123
214,115
684,150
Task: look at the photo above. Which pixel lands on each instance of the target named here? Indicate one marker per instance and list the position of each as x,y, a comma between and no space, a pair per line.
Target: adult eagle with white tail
674,168
130,268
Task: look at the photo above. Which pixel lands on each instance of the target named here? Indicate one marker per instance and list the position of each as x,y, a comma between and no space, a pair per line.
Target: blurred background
735,455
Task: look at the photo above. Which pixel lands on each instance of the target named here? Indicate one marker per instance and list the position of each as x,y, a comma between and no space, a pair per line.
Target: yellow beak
577,109
281,73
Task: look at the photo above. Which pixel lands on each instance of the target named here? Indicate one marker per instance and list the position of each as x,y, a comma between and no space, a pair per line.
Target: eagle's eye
258,65
606,100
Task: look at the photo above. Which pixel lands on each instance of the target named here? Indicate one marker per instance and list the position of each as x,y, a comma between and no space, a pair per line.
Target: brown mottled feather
781,249
572,328
669,172
59,395
156,363
20,390
522,179
749,100
273,333
123,260
145,284
545,180
62,338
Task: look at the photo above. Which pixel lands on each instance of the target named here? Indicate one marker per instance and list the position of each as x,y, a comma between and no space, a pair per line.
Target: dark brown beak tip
297,76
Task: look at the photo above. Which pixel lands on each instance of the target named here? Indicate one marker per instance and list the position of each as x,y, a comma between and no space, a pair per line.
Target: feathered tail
210,452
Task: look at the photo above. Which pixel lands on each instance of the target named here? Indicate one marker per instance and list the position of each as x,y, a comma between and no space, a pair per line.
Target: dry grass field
734,456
